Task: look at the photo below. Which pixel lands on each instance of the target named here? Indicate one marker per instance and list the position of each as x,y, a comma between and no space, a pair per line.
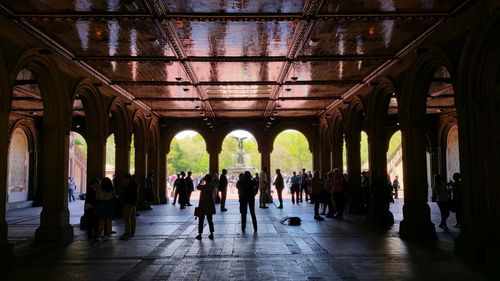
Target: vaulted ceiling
237,58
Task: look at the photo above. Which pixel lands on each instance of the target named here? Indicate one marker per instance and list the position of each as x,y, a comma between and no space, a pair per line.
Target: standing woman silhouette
207,203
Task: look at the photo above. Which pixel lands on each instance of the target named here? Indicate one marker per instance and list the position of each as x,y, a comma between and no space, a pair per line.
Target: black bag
199,212
291,220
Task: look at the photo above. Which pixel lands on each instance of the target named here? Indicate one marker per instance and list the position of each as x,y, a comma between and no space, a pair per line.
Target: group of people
448,198
104,200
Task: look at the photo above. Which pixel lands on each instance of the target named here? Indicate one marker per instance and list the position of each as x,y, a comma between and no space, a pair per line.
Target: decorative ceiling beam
352,57
237,109
245,98
78,15
236,83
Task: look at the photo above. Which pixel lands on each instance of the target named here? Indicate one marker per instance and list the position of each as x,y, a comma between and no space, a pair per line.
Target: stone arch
140,128
56,102
306,130
413,95
177,128
337,136
92,104
232,126
5,93
30,131
120,124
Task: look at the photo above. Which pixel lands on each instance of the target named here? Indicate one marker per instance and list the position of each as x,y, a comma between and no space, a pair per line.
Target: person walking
149,190
295,188
129,200
247,192
106,205
263,188
190,187
382,189
316,184
279,185
207,203
175,188
223,190
395,187
71,189
443,202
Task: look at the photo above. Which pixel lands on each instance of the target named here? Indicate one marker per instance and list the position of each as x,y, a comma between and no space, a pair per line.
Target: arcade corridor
377,89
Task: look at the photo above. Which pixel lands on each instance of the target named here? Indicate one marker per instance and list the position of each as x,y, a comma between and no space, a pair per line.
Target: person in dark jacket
207,203
149,190
183,192
190,187
223,190
129,201
90,213
382,189
247,192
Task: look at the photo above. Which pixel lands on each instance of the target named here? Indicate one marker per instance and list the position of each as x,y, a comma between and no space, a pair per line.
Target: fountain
240,166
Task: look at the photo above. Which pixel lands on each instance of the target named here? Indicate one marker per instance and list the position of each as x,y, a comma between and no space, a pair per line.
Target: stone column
162,175
153,166
54,219
140,172
416,221
96,156
354,170
213,161
265,160
122,160
337,146
6,249
324,156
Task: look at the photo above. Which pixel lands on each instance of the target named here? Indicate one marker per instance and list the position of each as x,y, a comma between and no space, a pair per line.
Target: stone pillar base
62,233
6,253
416,230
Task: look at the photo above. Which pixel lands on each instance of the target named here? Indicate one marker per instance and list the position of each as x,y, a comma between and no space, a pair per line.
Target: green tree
188,154
291,152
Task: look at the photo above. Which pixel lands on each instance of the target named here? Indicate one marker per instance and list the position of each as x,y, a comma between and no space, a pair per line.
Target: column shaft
416,221
54,220
6,249
140,172
354,171
96,156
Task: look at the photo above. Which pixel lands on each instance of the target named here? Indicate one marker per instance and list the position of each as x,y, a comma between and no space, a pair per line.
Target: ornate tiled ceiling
236,58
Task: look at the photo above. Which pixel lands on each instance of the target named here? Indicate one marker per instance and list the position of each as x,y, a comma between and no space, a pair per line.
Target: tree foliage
291,152
188,153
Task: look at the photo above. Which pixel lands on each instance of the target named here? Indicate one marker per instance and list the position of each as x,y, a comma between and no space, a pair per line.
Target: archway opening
290,154
452,153
77,166
344,153
188,152
395,164
239,153
110,156
363,152
131,169
18,169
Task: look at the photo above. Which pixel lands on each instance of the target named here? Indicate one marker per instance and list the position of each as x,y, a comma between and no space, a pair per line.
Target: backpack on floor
291,220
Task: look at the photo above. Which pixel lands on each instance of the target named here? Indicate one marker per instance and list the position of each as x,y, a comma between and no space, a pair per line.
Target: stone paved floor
164,248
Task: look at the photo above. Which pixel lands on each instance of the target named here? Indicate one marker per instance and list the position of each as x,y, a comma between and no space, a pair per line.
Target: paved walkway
164,248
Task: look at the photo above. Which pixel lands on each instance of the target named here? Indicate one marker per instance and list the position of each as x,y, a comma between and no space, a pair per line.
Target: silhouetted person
91,210
338,193
395,187
176,188
106,205
327,195
457,198
183,192
247,192
280,185
263,188
207,203
149,190
295,188
190,187
316,194
441,190
71,189
223,190
129,200
304,185
382,189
